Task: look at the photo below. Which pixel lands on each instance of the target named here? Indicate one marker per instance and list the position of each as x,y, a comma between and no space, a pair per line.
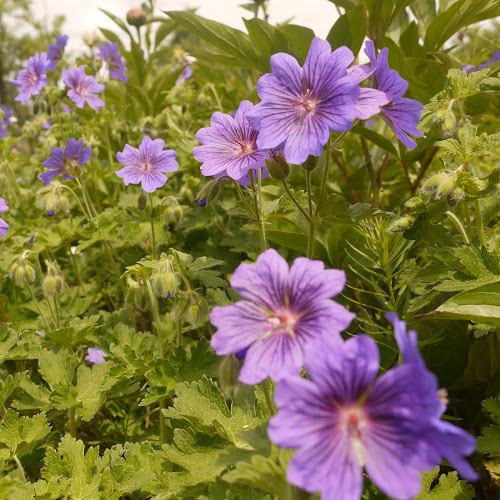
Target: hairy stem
292,197
154,307
36,304
153,235
455,219
257,198
479,222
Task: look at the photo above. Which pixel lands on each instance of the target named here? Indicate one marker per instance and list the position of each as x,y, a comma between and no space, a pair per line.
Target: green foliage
448,487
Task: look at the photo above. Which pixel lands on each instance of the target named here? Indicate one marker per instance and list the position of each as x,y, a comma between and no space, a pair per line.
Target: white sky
83,16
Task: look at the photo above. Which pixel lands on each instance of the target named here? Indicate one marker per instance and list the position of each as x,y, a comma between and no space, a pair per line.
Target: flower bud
229,370
177,214
435,180
136,17
209,191
49,285
142,201
193,313
64,202
98,63
186,193
401,224
19,275
278,167
30,271
310,164
446,185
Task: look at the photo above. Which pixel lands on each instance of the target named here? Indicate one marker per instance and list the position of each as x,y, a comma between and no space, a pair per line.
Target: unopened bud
209,191
229,370
186,193
177,214
449,123
64,202
49,285
310,164
142,201
278,167
401,224
19,275
98,63
193,313
136,16
30,272
435,180
447,185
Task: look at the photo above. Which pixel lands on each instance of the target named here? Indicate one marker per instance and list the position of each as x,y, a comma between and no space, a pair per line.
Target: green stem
467,217
57,312
60,123
154,307
312,221
455,219
153,235
47,300
243,199
20,467
371,171
179,332
87,199
324,178
343,171
292,197
479,221
37,305
78,201
259,211
268,396
72,422
77,271
216,95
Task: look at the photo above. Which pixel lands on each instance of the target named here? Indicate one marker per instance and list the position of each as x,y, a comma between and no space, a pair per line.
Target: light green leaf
21,435
448,488
349,30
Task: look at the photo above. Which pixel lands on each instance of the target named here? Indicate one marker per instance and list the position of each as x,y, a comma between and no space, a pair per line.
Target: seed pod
447,185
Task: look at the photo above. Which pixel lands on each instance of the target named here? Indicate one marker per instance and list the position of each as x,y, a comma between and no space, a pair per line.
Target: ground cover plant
217,249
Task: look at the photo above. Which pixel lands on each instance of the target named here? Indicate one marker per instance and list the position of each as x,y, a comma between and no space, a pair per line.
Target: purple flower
56,51
67,163
468,68
400,113
4,227
46,125
187,72
202,202
147,164
82,88
229,145
343,421
32,79
448,441
8,113
285,310
110,54
300,106
95,356
494,59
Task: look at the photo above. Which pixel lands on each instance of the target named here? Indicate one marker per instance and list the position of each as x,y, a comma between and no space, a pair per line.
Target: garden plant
252,265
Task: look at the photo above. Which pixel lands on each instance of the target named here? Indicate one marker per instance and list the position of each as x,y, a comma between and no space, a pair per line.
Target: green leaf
203,405
350,30
166,27
465,84
448,488
20,436
118,22
460,14
76,332
300,37
377,139
489,442
469,144
481,305
232,41
267,38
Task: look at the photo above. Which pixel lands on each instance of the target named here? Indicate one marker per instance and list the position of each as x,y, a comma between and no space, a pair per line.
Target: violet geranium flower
448,441
82,88
110,54
229,145
67,162
147,164
4,227
343,421
8,113
187,72
285,309
400,113
95,356
56,51
32,79
300,106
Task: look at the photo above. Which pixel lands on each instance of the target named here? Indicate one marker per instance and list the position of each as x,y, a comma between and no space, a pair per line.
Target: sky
83,16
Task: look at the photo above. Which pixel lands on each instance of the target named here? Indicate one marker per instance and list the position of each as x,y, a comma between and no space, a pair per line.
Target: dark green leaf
349,30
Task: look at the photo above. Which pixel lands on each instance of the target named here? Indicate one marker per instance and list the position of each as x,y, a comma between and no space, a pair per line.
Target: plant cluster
177,337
